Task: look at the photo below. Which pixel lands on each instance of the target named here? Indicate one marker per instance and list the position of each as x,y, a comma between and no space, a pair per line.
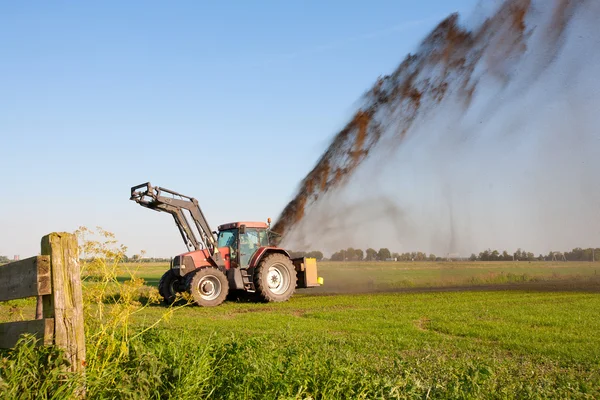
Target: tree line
370,254
384,254
309,254
141,259
577,254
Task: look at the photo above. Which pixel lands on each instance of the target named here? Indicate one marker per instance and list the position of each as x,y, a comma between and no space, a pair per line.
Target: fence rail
25,278
55,279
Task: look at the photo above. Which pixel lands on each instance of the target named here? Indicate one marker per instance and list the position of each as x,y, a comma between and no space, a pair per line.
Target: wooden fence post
65,304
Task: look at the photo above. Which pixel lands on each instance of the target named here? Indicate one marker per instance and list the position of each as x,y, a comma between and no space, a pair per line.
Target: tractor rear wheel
209,287
167,285
275,278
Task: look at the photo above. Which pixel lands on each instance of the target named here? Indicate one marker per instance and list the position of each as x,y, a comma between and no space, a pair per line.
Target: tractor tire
209,287
167,285
275,278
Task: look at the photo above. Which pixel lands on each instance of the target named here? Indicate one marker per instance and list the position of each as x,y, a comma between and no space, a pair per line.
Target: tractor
241,257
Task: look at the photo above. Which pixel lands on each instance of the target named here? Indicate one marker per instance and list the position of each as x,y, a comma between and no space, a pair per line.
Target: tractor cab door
251,239
249,244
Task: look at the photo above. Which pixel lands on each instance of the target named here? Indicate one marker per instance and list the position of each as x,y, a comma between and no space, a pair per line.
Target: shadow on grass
236,296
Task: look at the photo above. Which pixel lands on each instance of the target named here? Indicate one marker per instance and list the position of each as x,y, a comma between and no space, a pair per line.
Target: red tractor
241,256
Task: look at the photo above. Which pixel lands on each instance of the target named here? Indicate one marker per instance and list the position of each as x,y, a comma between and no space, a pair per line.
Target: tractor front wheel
167,285
275,278
209,287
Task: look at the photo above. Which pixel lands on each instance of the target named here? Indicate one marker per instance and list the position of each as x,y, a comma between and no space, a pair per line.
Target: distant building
16,257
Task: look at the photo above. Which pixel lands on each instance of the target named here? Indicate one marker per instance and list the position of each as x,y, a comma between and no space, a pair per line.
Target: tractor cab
243,239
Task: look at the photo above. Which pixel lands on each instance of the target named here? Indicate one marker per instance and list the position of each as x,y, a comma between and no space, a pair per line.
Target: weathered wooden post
65,304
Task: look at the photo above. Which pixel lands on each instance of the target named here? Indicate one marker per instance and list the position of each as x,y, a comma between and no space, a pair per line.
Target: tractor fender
265,251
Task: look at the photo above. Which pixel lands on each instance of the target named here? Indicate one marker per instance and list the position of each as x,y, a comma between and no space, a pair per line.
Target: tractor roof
249,224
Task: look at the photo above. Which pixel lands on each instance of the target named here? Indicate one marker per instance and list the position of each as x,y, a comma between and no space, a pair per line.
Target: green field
353,277
417,330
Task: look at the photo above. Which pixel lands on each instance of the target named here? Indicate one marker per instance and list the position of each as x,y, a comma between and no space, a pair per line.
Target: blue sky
230,102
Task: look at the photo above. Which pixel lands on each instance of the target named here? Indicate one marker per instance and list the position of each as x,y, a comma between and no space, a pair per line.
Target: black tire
167,285
209,287
275,278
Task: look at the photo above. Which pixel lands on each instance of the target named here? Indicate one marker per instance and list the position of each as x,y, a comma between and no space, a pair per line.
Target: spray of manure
487,136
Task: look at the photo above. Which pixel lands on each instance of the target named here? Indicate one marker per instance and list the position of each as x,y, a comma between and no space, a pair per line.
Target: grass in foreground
493,344
435,345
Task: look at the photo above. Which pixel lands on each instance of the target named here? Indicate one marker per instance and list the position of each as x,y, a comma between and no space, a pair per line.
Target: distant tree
371,254
473,257
530,256
315,254
350,254
4,260
587,255
359,255
485,255
494,255
384,254
574,255
432,257
506,256
579,254
338,256
297,254
518,255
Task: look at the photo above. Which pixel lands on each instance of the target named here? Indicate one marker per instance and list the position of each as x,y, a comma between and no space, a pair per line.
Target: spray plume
487,136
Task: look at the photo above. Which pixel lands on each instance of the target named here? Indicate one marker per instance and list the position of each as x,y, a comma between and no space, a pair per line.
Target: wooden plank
10,332
66,302
25,278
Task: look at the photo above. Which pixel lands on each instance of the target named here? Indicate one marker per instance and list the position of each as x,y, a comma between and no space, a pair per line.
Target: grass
325,344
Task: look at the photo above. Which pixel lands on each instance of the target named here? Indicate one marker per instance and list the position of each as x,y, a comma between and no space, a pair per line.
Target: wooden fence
55,279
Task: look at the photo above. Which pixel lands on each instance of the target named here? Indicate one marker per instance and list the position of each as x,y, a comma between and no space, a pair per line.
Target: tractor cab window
249,243
227,238
264,237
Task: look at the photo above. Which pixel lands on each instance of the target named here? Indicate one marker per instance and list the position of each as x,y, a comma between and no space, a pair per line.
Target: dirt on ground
590,285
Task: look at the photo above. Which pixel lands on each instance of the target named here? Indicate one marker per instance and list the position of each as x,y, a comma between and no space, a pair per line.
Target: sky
230,102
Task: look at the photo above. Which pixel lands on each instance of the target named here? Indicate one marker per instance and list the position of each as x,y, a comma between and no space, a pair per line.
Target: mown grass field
341,277
375,330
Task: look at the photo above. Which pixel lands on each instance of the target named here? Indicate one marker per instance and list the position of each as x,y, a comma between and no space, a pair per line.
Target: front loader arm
151,197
